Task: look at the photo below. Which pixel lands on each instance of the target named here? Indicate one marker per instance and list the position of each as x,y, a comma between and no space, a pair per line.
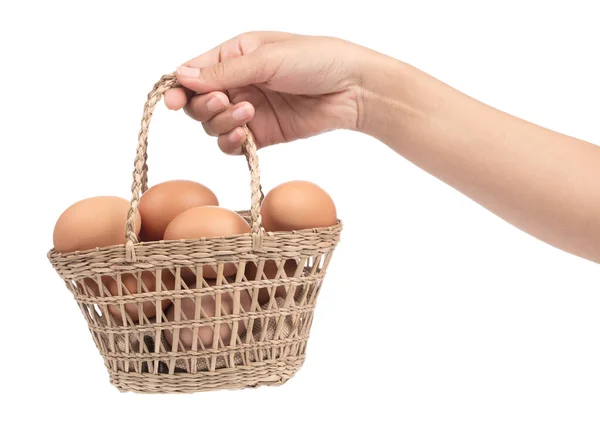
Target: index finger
177,98
235,47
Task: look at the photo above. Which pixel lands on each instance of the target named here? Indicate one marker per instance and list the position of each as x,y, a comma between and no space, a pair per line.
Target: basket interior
194,318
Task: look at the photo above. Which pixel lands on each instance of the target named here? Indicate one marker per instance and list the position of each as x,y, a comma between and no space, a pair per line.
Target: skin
287,87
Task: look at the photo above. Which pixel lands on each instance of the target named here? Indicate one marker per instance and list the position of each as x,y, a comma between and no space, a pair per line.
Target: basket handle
140,172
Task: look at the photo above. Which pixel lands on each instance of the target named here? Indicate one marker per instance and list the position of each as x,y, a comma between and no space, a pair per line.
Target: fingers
243,44
234,73
231,143
205,107
230,119
175,98
255,68
222,119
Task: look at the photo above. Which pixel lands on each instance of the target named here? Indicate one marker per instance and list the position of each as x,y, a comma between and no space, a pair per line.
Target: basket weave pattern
253,343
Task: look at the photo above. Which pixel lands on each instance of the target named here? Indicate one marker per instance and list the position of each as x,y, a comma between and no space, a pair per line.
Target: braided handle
140,171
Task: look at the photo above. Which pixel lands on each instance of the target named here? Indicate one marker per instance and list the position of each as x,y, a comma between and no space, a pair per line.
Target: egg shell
130,283
297,205
207,222
270,273
93,222
163,202
206,333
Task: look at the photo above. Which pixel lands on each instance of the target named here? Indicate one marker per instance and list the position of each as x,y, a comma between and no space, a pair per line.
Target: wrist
392,95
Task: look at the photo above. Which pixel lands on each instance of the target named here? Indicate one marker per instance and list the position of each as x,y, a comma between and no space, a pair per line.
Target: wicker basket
254,343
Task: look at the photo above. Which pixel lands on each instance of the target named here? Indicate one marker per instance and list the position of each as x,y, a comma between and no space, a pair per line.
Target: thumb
236,72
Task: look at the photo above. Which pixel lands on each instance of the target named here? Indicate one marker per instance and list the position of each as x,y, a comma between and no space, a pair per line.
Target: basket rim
76,255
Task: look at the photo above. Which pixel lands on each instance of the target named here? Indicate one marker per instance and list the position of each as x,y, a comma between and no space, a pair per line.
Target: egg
297,205
270,273
93,222
207,222
130,283
163,202
206,333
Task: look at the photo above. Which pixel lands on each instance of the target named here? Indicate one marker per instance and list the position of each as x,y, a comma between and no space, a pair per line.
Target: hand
287,86
284,86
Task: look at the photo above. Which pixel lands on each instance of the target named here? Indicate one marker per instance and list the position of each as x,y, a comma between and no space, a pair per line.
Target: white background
434,310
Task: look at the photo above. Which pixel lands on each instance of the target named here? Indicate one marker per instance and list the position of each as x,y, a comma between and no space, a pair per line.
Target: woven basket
252,343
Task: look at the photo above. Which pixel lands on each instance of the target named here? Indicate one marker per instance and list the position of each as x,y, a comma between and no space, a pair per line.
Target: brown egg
270,272
206,333
93,222
130,283
163,202
297,205
207,222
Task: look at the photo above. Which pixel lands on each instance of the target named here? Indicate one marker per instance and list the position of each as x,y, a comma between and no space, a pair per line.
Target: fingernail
216,103
242,113
186,72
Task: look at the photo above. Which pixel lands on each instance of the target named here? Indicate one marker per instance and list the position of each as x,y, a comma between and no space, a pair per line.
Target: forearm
543,182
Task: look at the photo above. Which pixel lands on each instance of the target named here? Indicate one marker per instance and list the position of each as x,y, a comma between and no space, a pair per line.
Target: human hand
284,86
287,86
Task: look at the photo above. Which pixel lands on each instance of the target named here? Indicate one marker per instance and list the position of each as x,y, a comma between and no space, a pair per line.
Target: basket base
265,373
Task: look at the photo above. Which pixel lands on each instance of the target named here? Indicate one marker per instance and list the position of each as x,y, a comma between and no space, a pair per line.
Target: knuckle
249,41
198,110
221,141
189,111
218,71
209,129
192,112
